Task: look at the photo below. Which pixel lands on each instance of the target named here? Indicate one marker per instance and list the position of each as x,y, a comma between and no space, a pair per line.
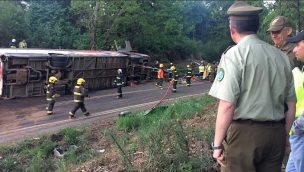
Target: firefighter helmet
80,81
188,65
119,70
14,40
161,65
171,64
52,79
172,68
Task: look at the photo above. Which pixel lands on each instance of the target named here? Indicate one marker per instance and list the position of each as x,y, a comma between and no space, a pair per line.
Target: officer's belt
250,121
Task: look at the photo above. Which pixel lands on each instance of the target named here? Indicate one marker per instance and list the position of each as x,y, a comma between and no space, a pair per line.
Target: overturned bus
25,72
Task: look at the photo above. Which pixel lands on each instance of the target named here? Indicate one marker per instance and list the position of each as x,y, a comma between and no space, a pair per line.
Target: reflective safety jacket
188,72
50,92
299,88
119,79
201,68
160,73
209,68
174,75
79,93
22,45
12,45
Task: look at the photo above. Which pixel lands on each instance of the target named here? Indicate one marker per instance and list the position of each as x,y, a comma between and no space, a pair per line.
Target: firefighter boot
72,115
87,113
156,86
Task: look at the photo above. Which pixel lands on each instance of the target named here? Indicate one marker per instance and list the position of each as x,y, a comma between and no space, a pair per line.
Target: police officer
174,79
188,75
50,95
281,28
23,44
119,81
13,44
79,94
160,76
296,158
252,103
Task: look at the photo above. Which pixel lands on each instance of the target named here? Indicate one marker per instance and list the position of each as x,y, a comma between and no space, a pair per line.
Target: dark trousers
79,105
188,81
254,146
119,91
201,74
50,107
174,86
160,82
212,76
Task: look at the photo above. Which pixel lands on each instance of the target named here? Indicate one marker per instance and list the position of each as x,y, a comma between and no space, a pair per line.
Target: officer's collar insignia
220,74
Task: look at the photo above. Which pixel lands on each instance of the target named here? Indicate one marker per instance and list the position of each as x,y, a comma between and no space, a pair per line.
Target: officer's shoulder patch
221,74
228,49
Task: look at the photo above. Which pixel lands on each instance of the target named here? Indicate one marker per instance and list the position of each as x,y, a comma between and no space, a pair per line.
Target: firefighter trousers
174,86
119,91
49,109
77,106
160,82
188,81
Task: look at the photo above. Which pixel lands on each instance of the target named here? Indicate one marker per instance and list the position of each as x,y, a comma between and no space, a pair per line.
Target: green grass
161,134
164,136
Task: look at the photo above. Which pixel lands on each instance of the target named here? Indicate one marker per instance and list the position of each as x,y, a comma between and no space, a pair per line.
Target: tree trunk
94,24
297,8
105,41
132,34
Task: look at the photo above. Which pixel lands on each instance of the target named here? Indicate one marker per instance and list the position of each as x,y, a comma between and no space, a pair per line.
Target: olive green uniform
257,78
287,48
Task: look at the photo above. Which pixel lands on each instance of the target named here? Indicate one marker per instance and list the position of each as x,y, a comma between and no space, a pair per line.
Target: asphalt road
23,118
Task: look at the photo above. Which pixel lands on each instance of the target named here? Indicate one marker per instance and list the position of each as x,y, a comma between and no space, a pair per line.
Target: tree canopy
166,30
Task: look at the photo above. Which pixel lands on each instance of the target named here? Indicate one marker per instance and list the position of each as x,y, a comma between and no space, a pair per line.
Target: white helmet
119,70
14,40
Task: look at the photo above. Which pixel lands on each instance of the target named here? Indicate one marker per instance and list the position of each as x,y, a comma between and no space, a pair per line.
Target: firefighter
13,44
160,76
79,94
170,74
50,95
188,75
174,79
119,81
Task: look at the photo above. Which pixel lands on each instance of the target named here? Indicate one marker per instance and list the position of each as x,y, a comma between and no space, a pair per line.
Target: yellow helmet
80,81
171,64
172,68
161,65
188,65
52,79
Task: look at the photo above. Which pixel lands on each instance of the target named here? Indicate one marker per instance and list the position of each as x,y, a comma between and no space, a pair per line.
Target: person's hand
287,147
219,155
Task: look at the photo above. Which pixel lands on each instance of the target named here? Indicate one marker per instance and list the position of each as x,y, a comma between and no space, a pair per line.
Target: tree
12,22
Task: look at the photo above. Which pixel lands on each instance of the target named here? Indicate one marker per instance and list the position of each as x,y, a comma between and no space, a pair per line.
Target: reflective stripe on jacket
79,93
50,92
119,79
175,75
189,72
